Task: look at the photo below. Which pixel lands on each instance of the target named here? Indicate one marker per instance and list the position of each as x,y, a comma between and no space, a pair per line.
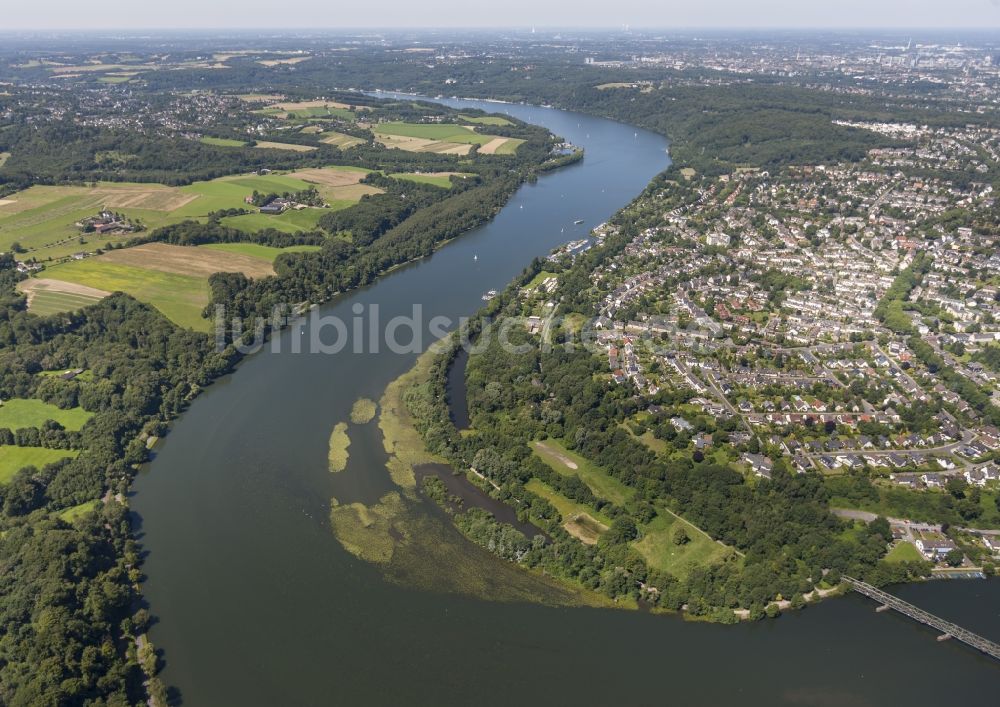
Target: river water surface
260,605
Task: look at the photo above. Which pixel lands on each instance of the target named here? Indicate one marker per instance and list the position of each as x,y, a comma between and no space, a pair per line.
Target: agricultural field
47,296
580,521
185,260
443,138
438,179
567,463
340,140
28,412
13,459
309,110
279,62
222,142
4,156
486,120
173,279
262,252
181,298
267,145
659,546
41,219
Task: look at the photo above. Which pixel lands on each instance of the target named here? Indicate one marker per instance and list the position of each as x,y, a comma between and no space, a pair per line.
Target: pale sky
333,14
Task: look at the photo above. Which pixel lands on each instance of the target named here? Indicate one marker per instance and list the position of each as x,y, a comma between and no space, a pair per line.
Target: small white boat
475,257
578,221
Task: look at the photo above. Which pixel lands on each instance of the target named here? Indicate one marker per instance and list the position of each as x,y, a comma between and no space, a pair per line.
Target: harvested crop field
266,145
341,140
153,198
419,144
330,177
47,296
501,146
306,105
182,260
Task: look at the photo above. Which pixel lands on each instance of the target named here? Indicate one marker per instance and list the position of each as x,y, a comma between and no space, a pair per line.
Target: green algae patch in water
339,442
370,533
363,411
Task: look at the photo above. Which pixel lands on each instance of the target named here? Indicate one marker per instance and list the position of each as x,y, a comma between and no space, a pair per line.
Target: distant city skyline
401,14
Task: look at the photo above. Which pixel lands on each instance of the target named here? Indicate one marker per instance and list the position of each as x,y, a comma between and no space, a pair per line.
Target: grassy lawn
13,459
71,514
288,222
580,521
181,298
222,142
657,546
443,181
264,252
569,463
540,278
509,147
485,120
435,131
904,552
21,412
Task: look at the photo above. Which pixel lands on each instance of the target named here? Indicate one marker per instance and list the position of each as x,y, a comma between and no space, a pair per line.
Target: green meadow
435,180
181,298
485,120
222,142
13,459
71,514
264,252
435,131
28,412
569,463
658,546
904,552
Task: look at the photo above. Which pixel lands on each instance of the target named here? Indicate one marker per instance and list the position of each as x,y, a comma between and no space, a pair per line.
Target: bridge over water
947,629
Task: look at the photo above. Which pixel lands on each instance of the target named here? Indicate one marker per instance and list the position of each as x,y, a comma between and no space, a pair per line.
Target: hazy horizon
315,15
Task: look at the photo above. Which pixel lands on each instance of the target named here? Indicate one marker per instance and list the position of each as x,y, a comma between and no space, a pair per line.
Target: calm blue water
259,604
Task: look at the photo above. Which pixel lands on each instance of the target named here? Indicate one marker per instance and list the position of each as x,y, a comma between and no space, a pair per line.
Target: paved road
908,524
